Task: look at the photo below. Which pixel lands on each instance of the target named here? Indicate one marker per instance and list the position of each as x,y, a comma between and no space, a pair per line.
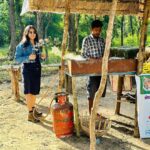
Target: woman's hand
32,57
43,56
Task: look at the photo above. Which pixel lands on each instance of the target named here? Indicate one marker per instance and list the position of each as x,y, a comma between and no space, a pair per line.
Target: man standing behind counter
93,47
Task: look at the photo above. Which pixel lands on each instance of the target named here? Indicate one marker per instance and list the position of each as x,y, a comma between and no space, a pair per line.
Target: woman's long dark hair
25,39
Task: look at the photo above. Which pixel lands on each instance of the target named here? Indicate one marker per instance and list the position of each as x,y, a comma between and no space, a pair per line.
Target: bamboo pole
104,75
141,58
64,43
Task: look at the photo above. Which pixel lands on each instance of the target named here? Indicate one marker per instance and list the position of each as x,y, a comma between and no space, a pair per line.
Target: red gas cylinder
62,112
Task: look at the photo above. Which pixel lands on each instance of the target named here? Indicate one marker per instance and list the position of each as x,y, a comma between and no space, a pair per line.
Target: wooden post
64,42
68,84
119,92
104,74
141,58
12,80
75,105
14,74
143,38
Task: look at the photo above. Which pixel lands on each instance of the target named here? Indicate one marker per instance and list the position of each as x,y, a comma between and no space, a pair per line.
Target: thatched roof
96,7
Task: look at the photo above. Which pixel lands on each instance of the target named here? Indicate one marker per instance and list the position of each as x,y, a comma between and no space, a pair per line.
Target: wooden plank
95,66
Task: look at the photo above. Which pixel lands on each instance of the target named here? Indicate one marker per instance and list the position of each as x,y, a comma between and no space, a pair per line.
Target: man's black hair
96,24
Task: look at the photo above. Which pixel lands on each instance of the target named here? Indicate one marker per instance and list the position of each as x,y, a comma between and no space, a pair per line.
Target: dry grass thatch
96,7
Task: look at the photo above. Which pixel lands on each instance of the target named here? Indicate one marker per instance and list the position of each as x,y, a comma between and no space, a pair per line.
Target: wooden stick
64,42
104,74
119,92
68,83
105,123
76,112
99,127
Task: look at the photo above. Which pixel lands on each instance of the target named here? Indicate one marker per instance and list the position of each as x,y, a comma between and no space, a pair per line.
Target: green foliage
53,59
129,41
148,41
4,23
3,55
54,25
84,27
54,56
3,51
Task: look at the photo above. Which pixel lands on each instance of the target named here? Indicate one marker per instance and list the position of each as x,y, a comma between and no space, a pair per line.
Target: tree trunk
19,20
21,26
131,25
48,18
64,42
72,34
122,31
77,33
12,46
40,24
104,75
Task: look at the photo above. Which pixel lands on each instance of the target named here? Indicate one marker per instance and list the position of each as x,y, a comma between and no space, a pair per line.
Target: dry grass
97,7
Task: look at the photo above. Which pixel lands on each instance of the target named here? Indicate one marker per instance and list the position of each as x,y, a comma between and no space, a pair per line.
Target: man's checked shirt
93,47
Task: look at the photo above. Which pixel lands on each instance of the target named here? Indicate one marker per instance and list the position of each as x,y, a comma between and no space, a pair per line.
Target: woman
31,69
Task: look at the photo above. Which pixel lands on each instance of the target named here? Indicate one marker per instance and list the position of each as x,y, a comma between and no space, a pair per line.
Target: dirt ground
16,133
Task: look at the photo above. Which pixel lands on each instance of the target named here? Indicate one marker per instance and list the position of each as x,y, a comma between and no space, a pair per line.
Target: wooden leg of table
75,106
119,92
68,84
136,128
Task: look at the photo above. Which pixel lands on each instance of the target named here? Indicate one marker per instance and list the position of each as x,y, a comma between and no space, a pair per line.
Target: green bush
52,59
4,51
131,40
116,42
128,41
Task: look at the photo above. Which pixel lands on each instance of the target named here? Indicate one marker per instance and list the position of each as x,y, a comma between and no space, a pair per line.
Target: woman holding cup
29,56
